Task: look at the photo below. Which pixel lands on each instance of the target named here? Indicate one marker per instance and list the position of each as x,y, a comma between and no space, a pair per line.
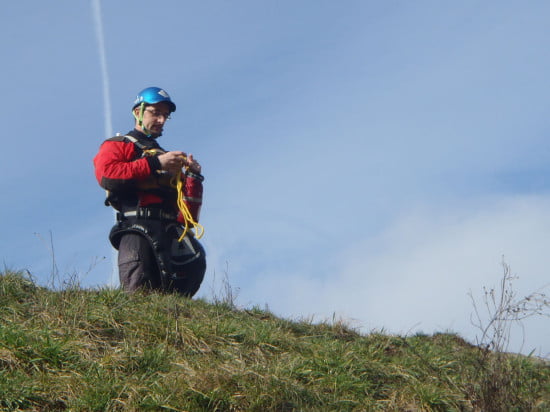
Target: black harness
163,235
161,229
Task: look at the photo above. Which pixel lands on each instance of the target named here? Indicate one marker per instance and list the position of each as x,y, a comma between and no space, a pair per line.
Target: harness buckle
147,213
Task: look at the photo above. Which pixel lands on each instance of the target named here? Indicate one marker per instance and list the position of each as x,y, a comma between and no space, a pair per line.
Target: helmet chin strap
139,119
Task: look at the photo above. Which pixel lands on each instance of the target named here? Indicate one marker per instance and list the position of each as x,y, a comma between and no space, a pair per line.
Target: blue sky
369,161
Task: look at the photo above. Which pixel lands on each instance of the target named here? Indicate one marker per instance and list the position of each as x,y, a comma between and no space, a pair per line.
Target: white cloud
416,275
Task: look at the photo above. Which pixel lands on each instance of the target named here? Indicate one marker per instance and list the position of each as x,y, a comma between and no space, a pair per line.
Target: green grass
104,350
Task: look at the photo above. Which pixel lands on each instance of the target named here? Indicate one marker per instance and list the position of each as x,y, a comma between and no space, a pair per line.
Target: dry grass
84,350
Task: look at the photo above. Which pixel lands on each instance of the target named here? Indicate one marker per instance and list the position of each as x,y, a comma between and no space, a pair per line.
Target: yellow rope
182,206
177,183
152,152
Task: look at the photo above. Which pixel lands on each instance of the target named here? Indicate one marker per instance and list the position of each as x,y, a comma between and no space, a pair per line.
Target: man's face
154,117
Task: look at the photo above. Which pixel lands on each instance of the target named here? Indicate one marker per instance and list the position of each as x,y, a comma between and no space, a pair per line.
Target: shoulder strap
136,142
132,139
144,148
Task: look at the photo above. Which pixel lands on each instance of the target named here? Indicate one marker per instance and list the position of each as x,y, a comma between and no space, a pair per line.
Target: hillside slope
95,350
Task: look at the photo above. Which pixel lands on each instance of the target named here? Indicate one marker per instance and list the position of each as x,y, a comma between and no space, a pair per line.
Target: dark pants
138,268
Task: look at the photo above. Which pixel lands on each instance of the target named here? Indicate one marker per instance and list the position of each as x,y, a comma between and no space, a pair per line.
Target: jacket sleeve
192,195
116,167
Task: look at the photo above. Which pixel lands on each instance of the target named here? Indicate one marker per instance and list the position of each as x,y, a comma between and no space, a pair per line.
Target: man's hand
192,165
172,162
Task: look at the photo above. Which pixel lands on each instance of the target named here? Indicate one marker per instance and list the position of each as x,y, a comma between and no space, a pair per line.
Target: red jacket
133,180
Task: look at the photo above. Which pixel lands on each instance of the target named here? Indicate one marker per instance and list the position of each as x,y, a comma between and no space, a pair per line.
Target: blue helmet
152,95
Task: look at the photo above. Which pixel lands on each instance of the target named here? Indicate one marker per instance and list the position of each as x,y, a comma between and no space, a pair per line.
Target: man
141,182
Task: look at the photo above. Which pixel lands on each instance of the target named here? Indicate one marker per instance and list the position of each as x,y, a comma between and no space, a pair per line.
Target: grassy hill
104,350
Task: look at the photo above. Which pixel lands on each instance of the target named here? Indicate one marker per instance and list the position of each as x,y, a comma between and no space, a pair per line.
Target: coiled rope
177,182
198,229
